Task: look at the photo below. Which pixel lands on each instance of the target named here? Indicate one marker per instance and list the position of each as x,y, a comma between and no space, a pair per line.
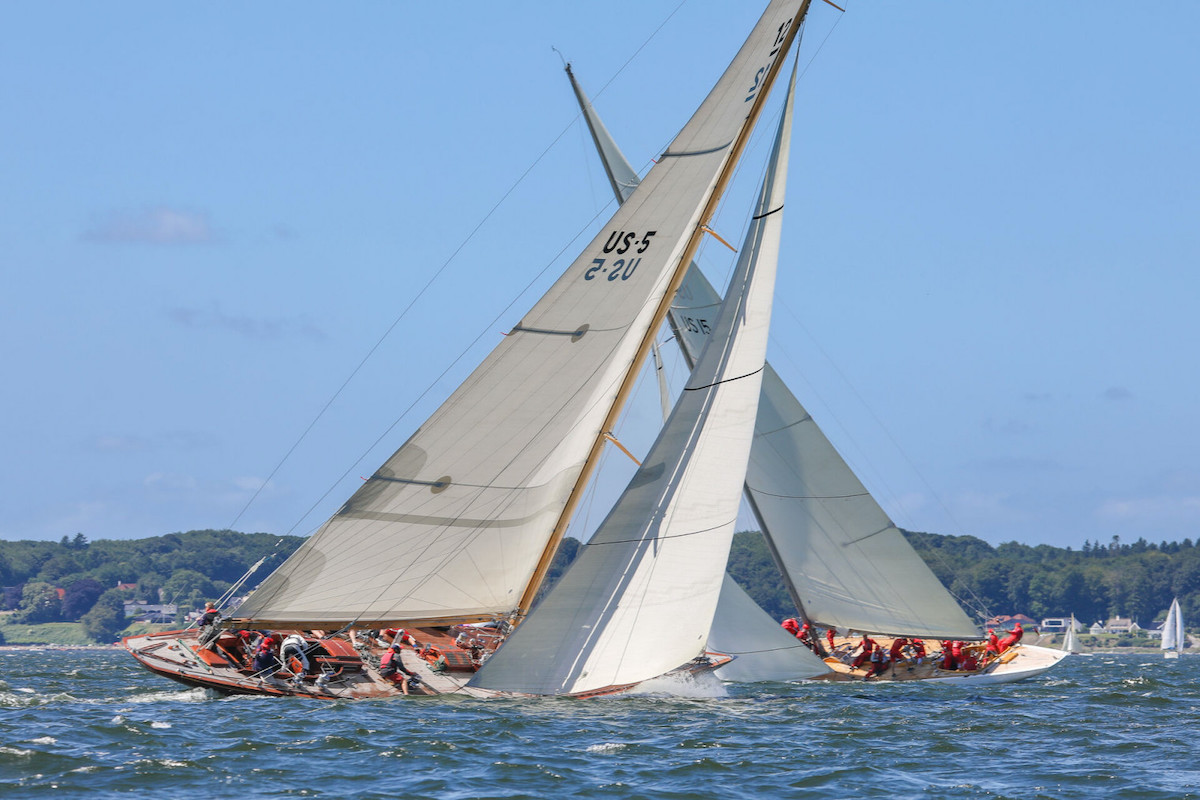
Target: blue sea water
92,723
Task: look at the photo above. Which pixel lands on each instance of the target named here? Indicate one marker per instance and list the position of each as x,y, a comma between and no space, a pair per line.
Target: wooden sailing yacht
458,527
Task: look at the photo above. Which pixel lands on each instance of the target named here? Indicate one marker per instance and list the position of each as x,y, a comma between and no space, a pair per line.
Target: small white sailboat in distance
1173,637
1071,639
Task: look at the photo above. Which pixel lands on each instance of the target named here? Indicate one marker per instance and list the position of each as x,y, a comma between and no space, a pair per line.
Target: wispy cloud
1162,510
160,225
133,443
1117,393
250,327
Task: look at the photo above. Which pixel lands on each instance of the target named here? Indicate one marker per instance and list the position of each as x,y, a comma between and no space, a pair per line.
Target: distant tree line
1098,582
75,580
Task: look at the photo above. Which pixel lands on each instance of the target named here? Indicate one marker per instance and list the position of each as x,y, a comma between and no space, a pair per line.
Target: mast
783,44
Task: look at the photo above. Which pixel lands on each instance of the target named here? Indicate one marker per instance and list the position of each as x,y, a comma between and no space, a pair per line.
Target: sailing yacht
1173,637
844,563
1071,639
447,543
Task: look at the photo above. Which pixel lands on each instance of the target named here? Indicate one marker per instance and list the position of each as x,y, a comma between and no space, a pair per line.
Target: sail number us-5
619,244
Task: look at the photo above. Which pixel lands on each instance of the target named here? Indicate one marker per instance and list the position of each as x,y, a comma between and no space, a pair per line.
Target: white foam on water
186,696
703,685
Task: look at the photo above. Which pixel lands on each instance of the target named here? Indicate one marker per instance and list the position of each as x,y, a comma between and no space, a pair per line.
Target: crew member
399,636
392,667
868,646
294,646
265,662
210,615
1012,638
949,661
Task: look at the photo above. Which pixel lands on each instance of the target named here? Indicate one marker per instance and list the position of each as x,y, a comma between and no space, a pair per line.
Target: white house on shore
1115,625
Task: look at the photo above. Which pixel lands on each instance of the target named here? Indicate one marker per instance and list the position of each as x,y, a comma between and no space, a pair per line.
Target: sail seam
718,383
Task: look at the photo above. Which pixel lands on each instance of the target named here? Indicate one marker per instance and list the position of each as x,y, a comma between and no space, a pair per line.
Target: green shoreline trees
77,580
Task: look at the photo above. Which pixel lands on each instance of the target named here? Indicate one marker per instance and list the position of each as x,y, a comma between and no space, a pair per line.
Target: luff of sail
456,524
639,599
844,561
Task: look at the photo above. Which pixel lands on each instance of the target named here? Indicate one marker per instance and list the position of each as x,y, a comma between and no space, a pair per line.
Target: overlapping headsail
639,600
460,522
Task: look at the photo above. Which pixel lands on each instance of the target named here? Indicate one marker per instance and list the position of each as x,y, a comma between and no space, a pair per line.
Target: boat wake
703,685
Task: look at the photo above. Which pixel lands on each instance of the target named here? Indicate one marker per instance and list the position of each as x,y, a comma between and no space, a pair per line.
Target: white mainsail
639,600
845,563
1173,637
458,522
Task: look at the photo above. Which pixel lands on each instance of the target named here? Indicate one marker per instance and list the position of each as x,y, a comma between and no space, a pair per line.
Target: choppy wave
1103,727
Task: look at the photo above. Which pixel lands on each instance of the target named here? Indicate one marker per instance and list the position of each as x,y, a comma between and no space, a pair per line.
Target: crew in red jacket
949,661
868,646
1012,638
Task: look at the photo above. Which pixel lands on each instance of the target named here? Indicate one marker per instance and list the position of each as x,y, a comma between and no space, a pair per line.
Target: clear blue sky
211,213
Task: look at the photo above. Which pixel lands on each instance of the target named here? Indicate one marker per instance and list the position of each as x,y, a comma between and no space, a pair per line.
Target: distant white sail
1071,639
1173,637
639,599
454,525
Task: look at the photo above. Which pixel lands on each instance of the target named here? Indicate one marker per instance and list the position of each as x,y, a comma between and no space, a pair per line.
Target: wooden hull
1017,663
340,669
350,667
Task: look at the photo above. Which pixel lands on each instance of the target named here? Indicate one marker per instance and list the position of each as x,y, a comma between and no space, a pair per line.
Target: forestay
453,525
639,600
